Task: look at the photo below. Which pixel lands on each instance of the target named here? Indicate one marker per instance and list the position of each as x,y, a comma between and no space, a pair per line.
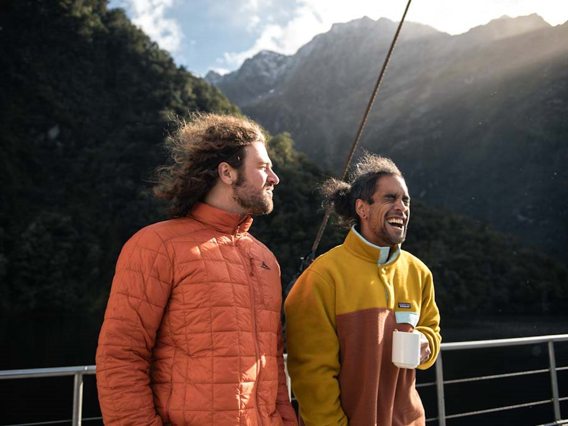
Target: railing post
77,398
554,381
440,391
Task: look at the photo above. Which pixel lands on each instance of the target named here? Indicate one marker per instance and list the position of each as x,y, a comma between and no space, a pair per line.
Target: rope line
306,260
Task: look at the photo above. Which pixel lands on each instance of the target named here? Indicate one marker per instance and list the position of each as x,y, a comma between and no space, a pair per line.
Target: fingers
425,351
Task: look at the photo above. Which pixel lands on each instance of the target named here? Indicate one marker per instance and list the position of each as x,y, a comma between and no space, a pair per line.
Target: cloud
286,38
221,71
311,17
150,16
253,23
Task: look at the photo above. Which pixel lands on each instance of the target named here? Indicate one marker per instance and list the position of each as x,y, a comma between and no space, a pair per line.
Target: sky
219,35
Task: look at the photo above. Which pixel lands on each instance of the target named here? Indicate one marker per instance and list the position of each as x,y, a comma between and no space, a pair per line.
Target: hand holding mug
425,350
409,349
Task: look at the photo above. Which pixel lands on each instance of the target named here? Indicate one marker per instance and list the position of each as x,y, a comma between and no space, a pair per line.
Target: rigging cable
306,260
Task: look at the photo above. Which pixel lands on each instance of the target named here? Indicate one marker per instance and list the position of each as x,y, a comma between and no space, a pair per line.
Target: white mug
406,349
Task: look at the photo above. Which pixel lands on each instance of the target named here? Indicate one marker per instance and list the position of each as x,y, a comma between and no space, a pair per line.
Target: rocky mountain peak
265,64
505,27
256,78
213,77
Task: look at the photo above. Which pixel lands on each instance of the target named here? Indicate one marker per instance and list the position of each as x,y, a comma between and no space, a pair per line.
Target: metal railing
79,371
501,343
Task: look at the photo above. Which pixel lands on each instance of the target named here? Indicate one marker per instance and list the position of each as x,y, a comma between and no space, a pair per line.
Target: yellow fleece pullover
341,314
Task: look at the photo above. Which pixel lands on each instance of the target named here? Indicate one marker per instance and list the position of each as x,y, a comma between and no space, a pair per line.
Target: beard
254,201
393,239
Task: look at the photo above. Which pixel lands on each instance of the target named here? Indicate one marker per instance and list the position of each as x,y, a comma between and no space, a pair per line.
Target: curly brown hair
197,148
341,196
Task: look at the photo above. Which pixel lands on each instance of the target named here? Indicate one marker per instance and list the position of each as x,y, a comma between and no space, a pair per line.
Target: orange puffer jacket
192,334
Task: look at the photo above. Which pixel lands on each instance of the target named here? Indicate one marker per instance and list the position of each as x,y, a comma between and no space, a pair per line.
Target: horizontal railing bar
493,410
496,376
477,344
47,372
510,407
556,423
54,422
50,422
91,369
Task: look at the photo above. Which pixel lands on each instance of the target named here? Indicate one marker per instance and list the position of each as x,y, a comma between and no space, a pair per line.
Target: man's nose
273,178
401,205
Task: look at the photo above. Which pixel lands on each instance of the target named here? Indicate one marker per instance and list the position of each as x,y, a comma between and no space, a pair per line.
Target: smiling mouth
396,222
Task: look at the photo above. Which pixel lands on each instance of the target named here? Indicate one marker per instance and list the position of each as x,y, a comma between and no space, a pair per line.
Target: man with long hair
343,310
192,332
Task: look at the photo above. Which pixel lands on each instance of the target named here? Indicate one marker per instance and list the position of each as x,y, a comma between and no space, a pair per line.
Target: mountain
256,77
476,121
505,27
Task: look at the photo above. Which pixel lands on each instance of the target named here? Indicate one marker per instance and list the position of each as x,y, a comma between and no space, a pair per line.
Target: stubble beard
391,239
255,202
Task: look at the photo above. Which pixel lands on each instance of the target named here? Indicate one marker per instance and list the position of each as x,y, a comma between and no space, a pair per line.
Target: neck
366,236
378,254
221,197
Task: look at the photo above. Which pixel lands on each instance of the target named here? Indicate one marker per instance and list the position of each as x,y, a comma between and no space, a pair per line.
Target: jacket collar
221,220
360,247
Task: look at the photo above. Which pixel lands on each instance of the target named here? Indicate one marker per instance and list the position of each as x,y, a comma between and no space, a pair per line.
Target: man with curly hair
192,332
344,309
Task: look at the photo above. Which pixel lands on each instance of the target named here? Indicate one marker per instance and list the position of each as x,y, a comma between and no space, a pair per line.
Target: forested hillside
86,103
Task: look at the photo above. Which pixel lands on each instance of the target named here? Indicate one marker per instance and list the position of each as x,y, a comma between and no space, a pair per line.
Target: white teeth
395,221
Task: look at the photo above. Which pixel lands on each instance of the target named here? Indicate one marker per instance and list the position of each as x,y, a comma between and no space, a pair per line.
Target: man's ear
361,208
227,174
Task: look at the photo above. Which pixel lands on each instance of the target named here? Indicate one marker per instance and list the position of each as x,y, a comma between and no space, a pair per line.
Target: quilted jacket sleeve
140,291
283,403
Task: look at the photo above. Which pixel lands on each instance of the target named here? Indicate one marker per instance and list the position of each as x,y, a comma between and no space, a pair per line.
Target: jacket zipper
255,331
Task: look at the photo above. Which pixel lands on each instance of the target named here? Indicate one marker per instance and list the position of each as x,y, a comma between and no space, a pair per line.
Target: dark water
66,341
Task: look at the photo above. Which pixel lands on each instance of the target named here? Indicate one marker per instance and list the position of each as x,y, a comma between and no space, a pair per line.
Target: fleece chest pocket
407,313
267,283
